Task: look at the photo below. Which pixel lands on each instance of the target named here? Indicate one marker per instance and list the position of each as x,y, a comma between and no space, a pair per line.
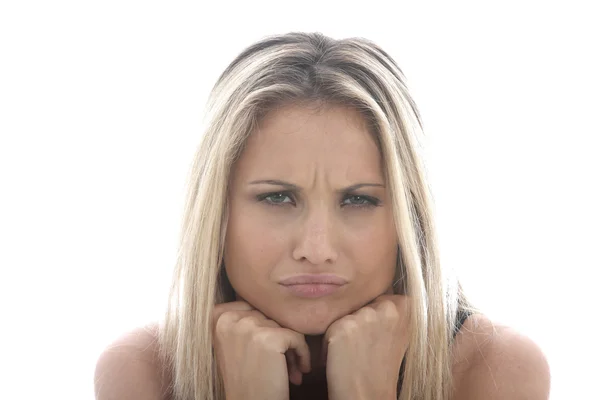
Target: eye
277,198
356,200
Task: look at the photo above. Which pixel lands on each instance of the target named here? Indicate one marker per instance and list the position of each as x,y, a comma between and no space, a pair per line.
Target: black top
461,317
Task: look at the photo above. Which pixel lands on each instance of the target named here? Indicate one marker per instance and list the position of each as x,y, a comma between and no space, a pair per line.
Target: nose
316,243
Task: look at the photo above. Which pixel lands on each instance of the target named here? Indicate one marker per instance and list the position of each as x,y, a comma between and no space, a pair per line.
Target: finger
294,373
327,338
398,299
324,348
289,359
219,309
402,304
296,342
227,319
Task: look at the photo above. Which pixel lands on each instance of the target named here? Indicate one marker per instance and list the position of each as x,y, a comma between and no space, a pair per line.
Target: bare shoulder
494,361
129,368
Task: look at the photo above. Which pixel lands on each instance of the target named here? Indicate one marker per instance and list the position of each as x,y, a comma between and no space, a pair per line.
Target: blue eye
277,198
282,198
360,201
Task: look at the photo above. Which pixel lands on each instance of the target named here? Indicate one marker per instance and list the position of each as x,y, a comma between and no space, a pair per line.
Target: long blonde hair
308,67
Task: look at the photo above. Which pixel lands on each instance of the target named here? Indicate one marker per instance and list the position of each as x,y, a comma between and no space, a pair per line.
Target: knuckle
388,310
348,327
250,321
262,337
224,322
246,324
369,314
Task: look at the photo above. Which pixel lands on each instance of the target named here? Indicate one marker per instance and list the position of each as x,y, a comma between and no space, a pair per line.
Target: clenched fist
364,350
256,357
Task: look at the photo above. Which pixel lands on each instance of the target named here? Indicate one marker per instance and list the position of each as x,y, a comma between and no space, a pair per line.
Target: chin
305,327
311,329
308,321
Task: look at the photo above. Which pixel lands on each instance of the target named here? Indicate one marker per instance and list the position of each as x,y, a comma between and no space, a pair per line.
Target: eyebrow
291,186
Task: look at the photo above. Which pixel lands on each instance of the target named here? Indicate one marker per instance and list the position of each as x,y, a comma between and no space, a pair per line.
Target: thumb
324,346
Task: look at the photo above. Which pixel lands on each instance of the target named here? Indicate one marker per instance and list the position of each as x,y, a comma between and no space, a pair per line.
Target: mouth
313,286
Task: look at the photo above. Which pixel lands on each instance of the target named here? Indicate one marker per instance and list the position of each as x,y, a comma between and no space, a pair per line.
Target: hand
252,353
364,350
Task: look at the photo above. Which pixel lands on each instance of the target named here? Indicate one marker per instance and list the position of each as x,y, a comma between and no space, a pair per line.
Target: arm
128,369
511,366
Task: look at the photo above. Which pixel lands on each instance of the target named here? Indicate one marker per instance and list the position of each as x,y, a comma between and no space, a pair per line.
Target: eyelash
369,201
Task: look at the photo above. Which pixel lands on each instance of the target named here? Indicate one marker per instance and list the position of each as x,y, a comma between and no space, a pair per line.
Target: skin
321,153
317,227
492,362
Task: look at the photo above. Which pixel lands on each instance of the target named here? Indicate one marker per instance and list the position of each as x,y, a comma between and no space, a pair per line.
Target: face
308,198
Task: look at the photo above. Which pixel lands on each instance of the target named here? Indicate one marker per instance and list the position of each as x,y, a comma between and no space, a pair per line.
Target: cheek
375,248
251,248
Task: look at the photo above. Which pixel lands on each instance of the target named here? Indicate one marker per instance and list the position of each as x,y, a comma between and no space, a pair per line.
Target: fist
255,356
365,349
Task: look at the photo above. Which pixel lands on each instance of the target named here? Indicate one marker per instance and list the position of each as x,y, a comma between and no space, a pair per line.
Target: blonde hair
308,67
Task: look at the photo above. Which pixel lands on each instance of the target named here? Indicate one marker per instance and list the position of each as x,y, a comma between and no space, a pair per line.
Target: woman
308,265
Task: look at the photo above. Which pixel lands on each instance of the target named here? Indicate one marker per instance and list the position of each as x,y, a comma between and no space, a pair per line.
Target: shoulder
494,361
128,368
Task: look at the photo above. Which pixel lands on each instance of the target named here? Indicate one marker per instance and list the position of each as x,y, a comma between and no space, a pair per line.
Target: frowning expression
308,203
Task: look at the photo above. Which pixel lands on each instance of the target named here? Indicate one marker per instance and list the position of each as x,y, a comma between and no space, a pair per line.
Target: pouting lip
307,279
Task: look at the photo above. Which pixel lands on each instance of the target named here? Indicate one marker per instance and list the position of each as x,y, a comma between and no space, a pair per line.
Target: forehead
296,137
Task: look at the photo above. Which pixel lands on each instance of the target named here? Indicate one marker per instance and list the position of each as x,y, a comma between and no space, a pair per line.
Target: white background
100,109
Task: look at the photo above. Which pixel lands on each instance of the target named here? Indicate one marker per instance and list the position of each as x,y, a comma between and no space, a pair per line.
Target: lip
314,279
312,290
313,286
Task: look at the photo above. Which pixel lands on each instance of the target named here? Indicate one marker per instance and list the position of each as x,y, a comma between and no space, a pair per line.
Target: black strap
462,316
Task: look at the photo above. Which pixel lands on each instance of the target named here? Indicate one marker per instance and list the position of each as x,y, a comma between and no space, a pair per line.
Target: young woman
308,266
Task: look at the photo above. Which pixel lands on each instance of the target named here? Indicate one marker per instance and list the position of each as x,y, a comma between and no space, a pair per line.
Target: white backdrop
100,108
